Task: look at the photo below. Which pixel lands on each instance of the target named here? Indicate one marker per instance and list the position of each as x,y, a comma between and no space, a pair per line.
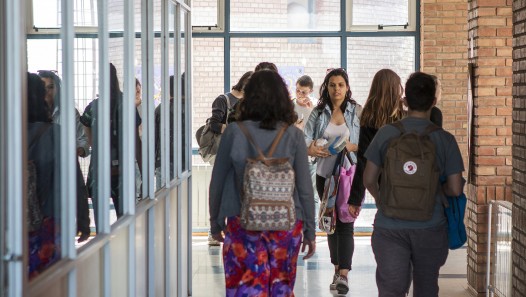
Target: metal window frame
129,138
33,30
220,26
411,24
14,247
68,33
68,180
342,33
103,140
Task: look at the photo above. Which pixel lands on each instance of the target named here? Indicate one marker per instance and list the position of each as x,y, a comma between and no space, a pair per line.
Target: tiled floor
315,274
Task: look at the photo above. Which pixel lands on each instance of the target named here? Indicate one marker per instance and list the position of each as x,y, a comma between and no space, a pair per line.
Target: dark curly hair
37,108
267,100
325,99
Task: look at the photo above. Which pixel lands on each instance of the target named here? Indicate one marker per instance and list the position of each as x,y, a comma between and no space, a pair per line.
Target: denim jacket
319,120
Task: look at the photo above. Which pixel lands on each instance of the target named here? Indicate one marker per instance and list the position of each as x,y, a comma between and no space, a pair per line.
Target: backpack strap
227,101
228,106
251,140
398,125
276,141
430,129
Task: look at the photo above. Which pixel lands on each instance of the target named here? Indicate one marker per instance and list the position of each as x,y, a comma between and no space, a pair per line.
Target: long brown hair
325,99
384,104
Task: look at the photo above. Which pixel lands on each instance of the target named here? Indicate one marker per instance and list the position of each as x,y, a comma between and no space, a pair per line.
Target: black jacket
358,189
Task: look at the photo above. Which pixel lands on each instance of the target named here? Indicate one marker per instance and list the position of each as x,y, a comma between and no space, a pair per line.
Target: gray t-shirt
229,168
449,161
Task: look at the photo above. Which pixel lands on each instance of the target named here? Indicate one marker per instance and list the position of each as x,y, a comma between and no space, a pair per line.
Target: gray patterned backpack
267,202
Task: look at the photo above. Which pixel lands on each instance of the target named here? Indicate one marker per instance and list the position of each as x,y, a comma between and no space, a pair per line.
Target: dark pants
116,185
402,254
82,204
341,242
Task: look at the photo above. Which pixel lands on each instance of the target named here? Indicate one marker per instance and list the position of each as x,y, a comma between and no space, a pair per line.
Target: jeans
312,169
405,253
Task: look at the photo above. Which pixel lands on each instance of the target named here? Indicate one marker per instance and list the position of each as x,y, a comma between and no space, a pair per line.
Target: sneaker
83,237
341,285
334,279
212,241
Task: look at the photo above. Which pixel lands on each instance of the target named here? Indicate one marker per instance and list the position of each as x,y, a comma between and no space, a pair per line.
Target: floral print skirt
260,263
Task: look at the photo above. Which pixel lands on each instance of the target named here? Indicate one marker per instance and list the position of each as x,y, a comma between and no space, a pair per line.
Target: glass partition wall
79,143
302,37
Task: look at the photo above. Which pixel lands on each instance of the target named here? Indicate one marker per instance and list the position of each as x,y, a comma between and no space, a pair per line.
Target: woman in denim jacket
333,125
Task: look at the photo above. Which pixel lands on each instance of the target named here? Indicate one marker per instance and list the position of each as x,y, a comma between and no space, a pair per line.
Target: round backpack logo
410,167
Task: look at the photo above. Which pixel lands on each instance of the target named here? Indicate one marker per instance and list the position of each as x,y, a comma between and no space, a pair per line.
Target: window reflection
43,206
159,133
85,88
53,85
89,119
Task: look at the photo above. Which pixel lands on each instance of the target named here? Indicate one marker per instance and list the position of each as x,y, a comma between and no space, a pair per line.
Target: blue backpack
455,210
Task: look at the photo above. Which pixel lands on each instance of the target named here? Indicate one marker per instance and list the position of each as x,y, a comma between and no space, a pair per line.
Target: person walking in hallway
335,117
261,263
410,239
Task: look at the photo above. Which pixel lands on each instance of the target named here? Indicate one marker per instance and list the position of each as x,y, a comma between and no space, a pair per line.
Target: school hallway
314,275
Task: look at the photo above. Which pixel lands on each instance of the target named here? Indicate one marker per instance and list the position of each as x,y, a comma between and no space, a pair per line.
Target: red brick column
519,149
490,51
443,53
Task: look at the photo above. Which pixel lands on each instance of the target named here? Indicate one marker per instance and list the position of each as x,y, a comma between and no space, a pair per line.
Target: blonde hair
384,104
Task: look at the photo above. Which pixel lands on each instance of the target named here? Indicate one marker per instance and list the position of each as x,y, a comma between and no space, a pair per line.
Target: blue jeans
404,253
312,169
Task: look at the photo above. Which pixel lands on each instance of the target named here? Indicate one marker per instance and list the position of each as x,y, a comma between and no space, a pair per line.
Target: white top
326,165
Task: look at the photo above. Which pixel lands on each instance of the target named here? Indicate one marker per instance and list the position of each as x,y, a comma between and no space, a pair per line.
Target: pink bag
344,190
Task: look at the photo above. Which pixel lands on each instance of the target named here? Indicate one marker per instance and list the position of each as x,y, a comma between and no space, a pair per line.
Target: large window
367,55
206,15
294,57
384,15
300,37
291,15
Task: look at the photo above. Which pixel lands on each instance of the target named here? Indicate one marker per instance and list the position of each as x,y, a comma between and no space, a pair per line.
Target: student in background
303,107
138,177
53,85
90,120
43,155
336,115
409,248
383,106
221,106
302,102
266,66
436,113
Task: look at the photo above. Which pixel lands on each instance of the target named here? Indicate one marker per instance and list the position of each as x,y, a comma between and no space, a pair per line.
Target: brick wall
489,36
519,149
